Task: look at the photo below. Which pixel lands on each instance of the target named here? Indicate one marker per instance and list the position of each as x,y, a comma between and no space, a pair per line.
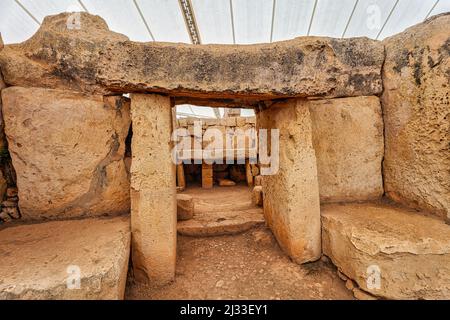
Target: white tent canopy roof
227,21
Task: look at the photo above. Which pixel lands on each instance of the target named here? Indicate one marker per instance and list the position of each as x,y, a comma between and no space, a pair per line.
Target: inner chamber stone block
291,196
153,190
348,141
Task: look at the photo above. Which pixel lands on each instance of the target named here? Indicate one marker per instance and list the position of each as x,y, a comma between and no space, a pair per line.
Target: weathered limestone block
153,190
94,59
67,149
258,180
411,251
185,207
291,196
257,196
226,182
207,176
416,108
40,260
218,223
348,140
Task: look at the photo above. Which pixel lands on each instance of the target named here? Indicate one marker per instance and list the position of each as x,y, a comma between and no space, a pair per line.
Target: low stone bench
409,251
42,261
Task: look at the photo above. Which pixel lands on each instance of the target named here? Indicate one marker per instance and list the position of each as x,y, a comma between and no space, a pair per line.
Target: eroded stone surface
67,149
153,190
93,59
38,259
291,195
416,108
348,141
185,207
411,251
218,223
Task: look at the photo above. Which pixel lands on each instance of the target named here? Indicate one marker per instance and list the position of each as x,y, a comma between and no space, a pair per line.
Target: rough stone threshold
39,261
409,250
221,211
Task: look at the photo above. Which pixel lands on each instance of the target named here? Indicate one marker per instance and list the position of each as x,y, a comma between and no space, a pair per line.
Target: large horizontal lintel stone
95,60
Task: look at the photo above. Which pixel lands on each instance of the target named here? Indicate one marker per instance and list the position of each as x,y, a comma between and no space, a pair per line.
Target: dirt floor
243,266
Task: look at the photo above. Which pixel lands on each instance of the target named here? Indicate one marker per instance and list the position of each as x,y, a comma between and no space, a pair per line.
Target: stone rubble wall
232,127
9,209
416,109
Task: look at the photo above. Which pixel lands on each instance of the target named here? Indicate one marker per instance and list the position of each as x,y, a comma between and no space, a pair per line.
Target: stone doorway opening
219,188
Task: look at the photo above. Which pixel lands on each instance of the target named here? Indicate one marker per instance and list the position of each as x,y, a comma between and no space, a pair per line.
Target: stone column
207,176
153,190
291,196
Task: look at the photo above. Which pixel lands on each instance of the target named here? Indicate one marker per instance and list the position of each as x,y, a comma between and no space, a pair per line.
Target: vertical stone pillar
153,190
180,176
207,176
291,196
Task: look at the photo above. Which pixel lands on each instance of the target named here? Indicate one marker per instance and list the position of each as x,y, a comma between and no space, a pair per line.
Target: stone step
43,261
389,251
207,224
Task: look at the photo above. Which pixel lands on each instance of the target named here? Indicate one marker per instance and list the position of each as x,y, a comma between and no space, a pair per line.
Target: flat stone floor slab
221,211
390,251
38,261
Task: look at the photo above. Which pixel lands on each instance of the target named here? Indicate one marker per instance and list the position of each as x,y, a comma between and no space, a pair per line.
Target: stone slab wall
416,108
67,149
291,196
232,128
348,141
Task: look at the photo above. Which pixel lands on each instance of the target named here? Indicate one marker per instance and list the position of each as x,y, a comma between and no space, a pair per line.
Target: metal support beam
27,12
431,10
274,5
350,18
387,19
189,19
312,17
143,19
83,6
232,21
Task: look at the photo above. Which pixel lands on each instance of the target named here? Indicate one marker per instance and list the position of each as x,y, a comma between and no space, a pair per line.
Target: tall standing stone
416,103
153,190
291,196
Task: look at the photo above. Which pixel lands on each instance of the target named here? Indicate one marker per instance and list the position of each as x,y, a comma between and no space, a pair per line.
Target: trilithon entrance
220,161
